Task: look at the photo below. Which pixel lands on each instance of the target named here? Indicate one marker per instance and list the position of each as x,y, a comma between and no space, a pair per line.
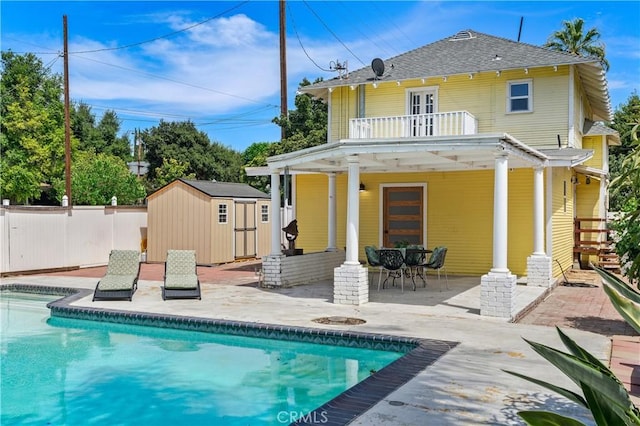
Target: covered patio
353,157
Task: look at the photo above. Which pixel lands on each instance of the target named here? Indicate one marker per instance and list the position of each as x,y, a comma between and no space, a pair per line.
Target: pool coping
343,409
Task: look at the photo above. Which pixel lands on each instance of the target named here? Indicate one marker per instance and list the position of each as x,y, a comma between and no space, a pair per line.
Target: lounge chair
180,276
121,279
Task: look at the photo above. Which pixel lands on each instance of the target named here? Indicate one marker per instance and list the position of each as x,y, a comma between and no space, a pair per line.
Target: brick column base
350,285
539,271
498,295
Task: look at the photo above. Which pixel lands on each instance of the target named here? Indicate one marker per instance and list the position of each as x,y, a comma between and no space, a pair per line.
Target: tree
101,137
255,156
31,127
626,187
182,142
306,126
171,170
572,39
623,120
98,177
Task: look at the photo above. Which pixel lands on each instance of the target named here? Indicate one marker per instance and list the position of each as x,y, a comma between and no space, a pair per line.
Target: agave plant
602,393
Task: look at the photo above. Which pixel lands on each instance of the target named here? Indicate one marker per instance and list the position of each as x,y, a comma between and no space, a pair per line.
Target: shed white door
245,229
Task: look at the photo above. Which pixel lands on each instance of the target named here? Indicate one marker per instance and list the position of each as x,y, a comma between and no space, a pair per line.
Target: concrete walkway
467,386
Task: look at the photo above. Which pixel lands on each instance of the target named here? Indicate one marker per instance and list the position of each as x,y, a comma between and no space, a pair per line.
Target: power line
166,35
332,33
295,30
177,81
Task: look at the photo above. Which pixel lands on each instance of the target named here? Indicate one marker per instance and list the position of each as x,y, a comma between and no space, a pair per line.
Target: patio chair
436,262
180,276
374,260
392,261
121,278
414,260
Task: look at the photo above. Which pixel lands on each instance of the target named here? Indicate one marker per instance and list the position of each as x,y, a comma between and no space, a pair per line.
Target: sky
217,63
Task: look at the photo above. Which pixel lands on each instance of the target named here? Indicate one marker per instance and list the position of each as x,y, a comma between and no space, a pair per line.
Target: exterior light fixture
375,85
362,188
587,180
470,76
498,73
555,68
423,81
526,70
398,82
330,89
352,87
444,78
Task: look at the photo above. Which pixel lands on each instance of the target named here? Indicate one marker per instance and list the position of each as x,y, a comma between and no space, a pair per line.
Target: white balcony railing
409,126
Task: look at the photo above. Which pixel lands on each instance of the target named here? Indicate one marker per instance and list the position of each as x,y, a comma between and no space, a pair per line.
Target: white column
276,227
331,226
538,211
539,268
500,214
353,210
498,287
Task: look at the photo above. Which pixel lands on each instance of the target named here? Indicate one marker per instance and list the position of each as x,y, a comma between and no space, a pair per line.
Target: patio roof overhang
567,157
457,153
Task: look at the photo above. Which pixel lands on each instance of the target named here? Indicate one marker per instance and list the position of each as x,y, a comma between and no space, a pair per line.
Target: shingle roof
225,189
473,52
599,129
460,55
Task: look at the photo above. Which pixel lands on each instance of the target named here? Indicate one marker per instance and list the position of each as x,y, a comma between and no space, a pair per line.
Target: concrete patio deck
467,386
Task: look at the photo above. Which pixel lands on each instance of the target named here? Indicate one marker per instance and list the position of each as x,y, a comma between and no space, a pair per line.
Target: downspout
329,113
572,131
361,101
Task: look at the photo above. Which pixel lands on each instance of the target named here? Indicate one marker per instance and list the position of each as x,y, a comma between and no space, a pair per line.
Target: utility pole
284,112
283,66
67,125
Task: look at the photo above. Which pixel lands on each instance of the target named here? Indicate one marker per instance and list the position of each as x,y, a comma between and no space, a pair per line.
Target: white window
264,213
223,217
519,96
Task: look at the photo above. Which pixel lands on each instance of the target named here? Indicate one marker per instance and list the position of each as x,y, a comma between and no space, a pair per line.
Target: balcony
414,126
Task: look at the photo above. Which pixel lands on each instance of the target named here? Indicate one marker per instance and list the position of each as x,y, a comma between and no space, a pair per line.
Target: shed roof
225,189
219,189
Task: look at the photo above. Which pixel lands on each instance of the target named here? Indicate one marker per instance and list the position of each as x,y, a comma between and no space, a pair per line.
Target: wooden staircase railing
592,237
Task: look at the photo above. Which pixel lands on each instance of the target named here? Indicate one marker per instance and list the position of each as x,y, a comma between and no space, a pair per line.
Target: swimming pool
75,371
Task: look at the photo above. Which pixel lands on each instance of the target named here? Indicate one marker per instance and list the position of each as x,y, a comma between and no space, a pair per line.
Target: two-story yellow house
484,145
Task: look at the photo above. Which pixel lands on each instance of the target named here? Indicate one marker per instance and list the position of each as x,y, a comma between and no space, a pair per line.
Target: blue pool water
67,371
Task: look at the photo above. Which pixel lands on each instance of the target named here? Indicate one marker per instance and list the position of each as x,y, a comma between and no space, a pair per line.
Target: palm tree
571,39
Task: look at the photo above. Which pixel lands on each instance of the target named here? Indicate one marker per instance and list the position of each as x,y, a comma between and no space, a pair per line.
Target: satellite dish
378,67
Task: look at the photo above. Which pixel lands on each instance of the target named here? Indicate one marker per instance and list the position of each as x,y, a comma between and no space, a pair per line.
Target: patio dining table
412,260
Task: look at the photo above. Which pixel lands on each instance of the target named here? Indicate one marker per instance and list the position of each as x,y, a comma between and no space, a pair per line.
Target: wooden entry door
245,229
403,215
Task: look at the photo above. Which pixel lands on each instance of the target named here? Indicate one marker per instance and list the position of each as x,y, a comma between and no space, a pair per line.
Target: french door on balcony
422,104
403,215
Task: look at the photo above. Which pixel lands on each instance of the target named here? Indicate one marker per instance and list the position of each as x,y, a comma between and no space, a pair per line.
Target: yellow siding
458,208
595,143
562,218
344,102
312,212
484,96
178,218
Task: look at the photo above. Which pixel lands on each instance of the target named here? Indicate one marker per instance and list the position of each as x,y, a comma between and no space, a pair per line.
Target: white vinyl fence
34,237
